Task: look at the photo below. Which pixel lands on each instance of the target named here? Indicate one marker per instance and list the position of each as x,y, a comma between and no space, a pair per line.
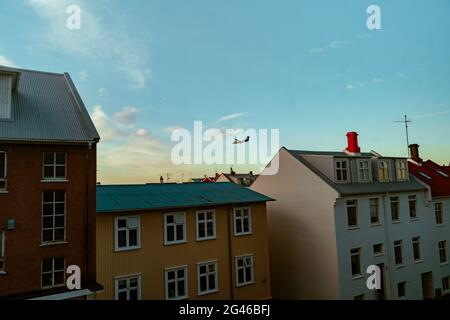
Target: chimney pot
352,142
414,150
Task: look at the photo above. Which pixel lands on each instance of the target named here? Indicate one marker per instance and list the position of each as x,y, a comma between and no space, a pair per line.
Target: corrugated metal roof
46,107
346,189
123,198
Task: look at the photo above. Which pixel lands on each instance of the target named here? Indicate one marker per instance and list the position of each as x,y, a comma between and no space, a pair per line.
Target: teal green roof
123,198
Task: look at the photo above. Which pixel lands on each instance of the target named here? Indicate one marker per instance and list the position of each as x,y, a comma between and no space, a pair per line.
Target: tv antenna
406,122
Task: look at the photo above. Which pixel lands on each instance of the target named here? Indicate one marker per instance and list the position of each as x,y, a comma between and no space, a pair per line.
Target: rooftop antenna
406,122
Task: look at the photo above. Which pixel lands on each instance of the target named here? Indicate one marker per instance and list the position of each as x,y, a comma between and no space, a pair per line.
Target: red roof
434,175
208,180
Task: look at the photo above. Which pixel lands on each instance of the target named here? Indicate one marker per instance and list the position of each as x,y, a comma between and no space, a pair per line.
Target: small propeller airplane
237,141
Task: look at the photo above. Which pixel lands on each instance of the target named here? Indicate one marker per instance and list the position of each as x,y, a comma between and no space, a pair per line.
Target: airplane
237,141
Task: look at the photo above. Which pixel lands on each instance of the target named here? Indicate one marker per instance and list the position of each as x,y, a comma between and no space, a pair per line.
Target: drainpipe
388,255
230,252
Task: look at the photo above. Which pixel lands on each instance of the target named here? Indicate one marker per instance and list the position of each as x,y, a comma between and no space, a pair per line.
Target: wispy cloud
429,115
350,87
377,80
4,61
83,75
127,116
335,44
400,74
102,91
93,40
232,116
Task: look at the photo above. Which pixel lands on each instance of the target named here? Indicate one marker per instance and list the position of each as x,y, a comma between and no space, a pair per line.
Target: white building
336,213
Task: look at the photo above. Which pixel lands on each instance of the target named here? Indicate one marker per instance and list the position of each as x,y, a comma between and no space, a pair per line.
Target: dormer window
383,171
5,96
363,171
341,170
402,172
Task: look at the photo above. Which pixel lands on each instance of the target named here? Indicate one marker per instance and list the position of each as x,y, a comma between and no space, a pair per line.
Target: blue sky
309,68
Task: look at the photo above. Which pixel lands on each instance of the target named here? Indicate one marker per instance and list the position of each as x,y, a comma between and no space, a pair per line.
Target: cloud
169,130
106,127
92,40
231,116
316,50
127,116
428,115
400,74
83,75
102,91
4,61
377,80
350,87
331,45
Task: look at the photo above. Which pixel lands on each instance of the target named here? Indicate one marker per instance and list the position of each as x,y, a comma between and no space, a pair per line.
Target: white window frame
347,170
246,282
355,205
401,170
398,208
54,166
2,251
53,271
413,198
363,171
416,241
439,209
4,179
54,215
443,250
216,277
128,278
377,201
383,171
357,252
235,221
127,230
166,225
399,244
186,283
446,283
205,222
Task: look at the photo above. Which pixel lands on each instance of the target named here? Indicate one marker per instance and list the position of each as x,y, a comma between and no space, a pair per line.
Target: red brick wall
23,202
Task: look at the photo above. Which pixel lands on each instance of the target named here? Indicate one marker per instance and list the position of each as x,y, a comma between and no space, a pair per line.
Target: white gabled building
335,214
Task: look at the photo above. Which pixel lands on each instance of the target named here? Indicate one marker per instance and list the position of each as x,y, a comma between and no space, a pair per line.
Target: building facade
47,187
182,241
336,214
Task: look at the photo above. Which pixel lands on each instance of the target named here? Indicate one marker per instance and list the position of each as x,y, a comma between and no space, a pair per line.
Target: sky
309,68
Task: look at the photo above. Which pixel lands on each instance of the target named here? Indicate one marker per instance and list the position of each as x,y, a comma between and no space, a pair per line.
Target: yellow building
182,241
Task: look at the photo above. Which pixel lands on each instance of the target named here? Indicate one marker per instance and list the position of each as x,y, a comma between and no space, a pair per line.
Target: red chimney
352,142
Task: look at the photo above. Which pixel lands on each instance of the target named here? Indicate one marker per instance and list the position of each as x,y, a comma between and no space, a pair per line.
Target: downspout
86,271
389,267
230,253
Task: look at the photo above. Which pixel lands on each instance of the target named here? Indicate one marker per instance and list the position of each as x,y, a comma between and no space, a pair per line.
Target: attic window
442,173
6,86
424,175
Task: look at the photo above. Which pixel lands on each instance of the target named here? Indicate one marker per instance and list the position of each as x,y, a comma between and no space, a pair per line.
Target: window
374,211
341,170
2,251
383,170
398,251
355,255
401,289
207,278
446,283
128,288
402,172
244,271
412,206
395,209
378,249
424,175
438,213
127,231
176,283
242,221
2,171
53,216
174,228
363,171
53,273
54,165
443,251
352,213
442,173
416,249
206,225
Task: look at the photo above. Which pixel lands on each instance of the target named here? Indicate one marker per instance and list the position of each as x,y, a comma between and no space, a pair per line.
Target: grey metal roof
346,189
46,107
